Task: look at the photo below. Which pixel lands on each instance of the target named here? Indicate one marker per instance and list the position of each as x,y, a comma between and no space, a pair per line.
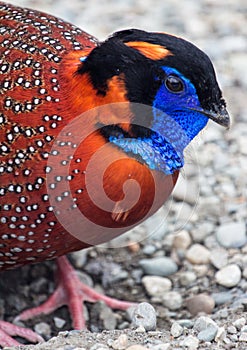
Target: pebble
232,329
120,343
239,323
208,334
43,329
232,235
202,323
111,272
134,247
198,254
200,303
59,322
244,329
187,278
156,286
149,249
144,315
221,297
176,330
220,335
219,257
229,276
186,323
172,300
137,347
108,317
243,337
140,329
182,240
190,343
200,233
80,258
161,266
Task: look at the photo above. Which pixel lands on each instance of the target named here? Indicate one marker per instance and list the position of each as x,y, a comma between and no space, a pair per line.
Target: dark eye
174,84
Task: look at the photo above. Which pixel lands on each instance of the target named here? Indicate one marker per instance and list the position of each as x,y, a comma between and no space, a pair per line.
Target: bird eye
174,84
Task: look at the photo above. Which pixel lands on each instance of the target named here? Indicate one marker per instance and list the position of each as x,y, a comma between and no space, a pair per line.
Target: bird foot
8,330
72,292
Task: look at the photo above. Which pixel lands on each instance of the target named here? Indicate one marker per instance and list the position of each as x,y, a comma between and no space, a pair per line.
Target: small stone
144,315
208,334
123,325
202,323
137,347
229,276
59,322
156,286
182,240
149,249
231,329
140,329
243,337
186,323
220,335
239,323
43,329
161,266
200,233
172,300
218,257
133,247
80,258
234,338
244,329
223,313
190,343
108,317
120,343
232,235
187,278
200,303
245,273
200,270
222,297
198,254
176,330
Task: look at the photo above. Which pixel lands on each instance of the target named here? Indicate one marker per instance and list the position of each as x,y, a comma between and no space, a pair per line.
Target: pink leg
72,292
7,330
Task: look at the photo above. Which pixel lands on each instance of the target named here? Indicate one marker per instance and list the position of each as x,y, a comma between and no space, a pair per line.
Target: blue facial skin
176,121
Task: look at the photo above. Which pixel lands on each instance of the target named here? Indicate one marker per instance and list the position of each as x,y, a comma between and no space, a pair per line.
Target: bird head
171,76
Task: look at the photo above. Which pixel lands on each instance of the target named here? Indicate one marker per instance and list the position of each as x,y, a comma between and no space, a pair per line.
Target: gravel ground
190,260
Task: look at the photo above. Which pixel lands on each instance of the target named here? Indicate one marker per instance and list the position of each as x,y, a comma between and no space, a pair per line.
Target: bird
92,140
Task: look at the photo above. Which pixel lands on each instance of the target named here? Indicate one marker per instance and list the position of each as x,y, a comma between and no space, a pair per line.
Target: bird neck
79,92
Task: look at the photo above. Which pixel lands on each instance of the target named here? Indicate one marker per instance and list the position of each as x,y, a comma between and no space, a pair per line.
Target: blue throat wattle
176,121
156,152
